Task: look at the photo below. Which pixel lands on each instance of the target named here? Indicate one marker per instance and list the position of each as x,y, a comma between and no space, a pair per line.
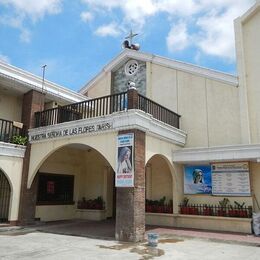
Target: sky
76,39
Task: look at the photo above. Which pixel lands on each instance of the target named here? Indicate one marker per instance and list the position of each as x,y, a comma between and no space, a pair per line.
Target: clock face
131,67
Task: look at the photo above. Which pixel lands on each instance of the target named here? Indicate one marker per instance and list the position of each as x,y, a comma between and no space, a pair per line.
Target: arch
84,171
170,165
8,178
41,151
173,176
5,196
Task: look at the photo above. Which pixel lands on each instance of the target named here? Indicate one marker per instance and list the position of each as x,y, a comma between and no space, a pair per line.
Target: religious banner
197,179
231,179
125,170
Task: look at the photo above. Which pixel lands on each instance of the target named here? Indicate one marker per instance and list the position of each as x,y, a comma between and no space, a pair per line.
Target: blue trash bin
152,239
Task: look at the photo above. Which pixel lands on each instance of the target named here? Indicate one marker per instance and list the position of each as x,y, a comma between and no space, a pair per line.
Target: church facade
148,140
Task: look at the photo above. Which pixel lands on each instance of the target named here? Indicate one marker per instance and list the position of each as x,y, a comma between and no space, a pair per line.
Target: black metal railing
103,106
8,131
86,109
157,111
215,210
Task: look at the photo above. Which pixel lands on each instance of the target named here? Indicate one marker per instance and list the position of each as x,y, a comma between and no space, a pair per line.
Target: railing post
132,98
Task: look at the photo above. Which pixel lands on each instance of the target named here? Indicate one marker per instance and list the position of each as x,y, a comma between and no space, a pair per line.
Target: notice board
230,179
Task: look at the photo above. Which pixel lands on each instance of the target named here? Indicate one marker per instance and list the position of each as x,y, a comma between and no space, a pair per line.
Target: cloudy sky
77,38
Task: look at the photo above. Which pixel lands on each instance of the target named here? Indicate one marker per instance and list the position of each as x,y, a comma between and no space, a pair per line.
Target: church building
148,140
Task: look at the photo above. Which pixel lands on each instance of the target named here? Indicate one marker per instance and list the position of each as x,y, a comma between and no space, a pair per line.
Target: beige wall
209,109
102,87
248,52
10,107
162,85
12,167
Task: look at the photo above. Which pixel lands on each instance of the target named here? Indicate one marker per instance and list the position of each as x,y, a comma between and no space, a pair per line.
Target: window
55,189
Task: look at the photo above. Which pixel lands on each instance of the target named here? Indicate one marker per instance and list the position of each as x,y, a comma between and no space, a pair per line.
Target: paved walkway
46,246
106,230
228,237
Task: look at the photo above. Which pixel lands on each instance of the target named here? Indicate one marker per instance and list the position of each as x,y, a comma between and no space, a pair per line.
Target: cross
131,36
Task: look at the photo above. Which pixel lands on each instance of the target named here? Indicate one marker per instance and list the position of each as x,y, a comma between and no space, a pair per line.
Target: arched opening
75,182
5,196
159,185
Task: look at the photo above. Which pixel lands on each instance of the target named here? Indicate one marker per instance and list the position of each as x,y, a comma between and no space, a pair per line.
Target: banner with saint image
197,179
124,161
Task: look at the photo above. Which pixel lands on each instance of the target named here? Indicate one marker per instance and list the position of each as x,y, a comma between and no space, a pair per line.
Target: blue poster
197,179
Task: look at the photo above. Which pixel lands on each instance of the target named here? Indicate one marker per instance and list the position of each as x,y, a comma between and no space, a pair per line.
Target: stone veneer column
33,101
130,202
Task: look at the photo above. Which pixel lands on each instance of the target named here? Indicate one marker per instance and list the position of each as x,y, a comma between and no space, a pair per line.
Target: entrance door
5,194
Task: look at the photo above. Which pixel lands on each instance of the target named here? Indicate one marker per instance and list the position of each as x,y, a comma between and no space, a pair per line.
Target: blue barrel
152,239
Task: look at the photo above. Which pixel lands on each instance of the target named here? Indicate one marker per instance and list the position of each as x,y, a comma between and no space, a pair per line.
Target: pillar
130,202
33,101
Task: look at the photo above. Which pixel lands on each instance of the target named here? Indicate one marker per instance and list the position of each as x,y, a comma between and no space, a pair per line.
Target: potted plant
97,203
169,207
223,207
161,205
207,210
184,206
20,140
241,212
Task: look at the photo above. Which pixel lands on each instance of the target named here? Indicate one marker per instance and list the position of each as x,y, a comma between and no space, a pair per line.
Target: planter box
207,212
189,211
91,214
238,213
242,225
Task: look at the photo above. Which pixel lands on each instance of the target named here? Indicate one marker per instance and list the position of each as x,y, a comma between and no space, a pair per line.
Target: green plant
97,203
239,205
162,201
185,201
18,139
224,203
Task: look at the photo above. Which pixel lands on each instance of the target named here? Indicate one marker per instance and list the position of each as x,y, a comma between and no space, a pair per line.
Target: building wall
101,88
10,107
209,109
248,42
12,167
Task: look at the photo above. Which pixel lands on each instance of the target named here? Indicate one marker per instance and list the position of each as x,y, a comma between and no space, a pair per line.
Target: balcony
12,132
104,106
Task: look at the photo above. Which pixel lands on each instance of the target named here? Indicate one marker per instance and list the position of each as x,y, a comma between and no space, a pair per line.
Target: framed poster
124,161
231,179
197,179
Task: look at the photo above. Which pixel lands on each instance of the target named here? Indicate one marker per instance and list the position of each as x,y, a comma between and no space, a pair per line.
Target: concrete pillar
130,202
33,101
